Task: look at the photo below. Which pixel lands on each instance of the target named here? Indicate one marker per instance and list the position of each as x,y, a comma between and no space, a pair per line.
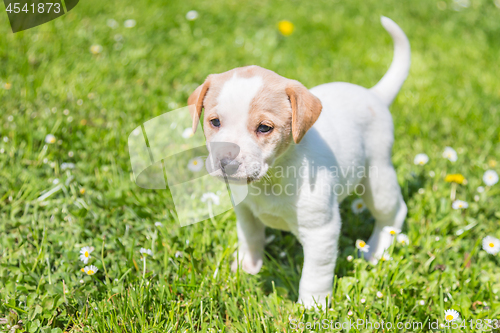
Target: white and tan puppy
302,152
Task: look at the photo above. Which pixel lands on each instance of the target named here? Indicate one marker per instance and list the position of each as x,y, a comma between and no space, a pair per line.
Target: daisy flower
391,230
112,23
211,197
50,138
379,294
90,270
349,258
195,164
422,302
85,253
192,15
455,178
491,245
285,27
362,246
403,239
385,257
450,154
421,159
146,251
451,315
363,300
96,49
459,204
490,178
187,133
129,23
65,166
358,206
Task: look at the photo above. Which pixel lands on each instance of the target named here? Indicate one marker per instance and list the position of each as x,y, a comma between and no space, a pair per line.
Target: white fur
354,130
233,106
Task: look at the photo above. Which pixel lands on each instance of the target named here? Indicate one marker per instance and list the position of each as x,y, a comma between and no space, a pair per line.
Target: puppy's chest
272,212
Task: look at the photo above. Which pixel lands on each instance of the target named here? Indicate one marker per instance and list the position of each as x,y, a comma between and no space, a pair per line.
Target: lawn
91,77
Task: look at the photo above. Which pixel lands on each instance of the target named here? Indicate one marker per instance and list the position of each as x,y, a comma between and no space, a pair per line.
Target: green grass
452,98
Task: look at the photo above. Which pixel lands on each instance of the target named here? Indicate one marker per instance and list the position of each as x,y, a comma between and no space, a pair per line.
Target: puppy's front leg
319,241
251,241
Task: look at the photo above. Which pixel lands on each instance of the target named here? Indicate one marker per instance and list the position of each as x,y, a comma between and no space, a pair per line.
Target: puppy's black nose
229,166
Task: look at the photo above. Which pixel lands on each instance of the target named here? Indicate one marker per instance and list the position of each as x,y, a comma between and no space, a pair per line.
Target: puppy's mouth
240,177
233,179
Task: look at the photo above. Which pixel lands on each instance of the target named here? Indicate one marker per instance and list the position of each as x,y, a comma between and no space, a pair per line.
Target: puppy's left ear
195,102
306,109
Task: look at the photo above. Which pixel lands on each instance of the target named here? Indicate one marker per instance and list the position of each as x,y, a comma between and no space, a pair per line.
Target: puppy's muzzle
230,167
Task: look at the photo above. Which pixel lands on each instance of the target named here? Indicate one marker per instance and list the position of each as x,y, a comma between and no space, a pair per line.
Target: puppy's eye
264,128
215,122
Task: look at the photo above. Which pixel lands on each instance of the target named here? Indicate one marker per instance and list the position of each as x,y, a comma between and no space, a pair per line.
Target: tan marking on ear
195,102
306,109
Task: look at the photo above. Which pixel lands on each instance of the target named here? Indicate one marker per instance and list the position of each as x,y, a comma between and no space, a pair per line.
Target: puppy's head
251,117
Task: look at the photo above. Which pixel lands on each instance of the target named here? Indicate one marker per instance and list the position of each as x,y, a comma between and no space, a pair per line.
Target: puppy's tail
388,87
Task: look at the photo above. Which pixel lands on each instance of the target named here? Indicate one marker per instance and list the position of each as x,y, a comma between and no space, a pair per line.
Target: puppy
301,152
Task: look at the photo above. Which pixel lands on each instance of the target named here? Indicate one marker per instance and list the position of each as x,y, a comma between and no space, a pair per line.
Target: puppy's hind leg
251,241
384,200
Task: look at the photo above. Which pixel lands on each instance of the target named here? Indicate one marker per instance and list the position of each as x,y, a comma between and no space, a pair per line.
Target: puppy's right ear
195,102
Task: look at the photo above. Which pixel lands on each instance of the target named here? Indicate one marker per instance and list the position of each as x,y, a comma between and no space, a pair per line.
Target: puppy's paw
249,265
312,301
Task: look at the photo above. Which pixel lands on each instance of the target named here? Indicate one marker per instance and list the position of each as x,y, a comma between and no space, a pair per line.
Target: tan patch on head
281,103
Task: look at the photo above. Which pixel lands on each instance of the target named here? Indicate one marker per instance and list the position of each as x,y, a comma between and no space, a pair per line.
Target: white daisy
450,154
358,206
210,197
451,315
85,253
349,258
112,23
363,300
187,133
379,294
385,257
50,138
90,270
421,159
403,239
96,49
362,246
459,204
129,23
65,166
391,230
422,302
146,251
195,164
5,139
491,245
191,15
490,177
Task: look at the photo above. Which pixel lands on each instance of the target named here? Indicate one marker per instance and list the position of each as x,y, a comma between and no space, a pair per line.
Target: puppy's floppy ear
306,109
195,102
